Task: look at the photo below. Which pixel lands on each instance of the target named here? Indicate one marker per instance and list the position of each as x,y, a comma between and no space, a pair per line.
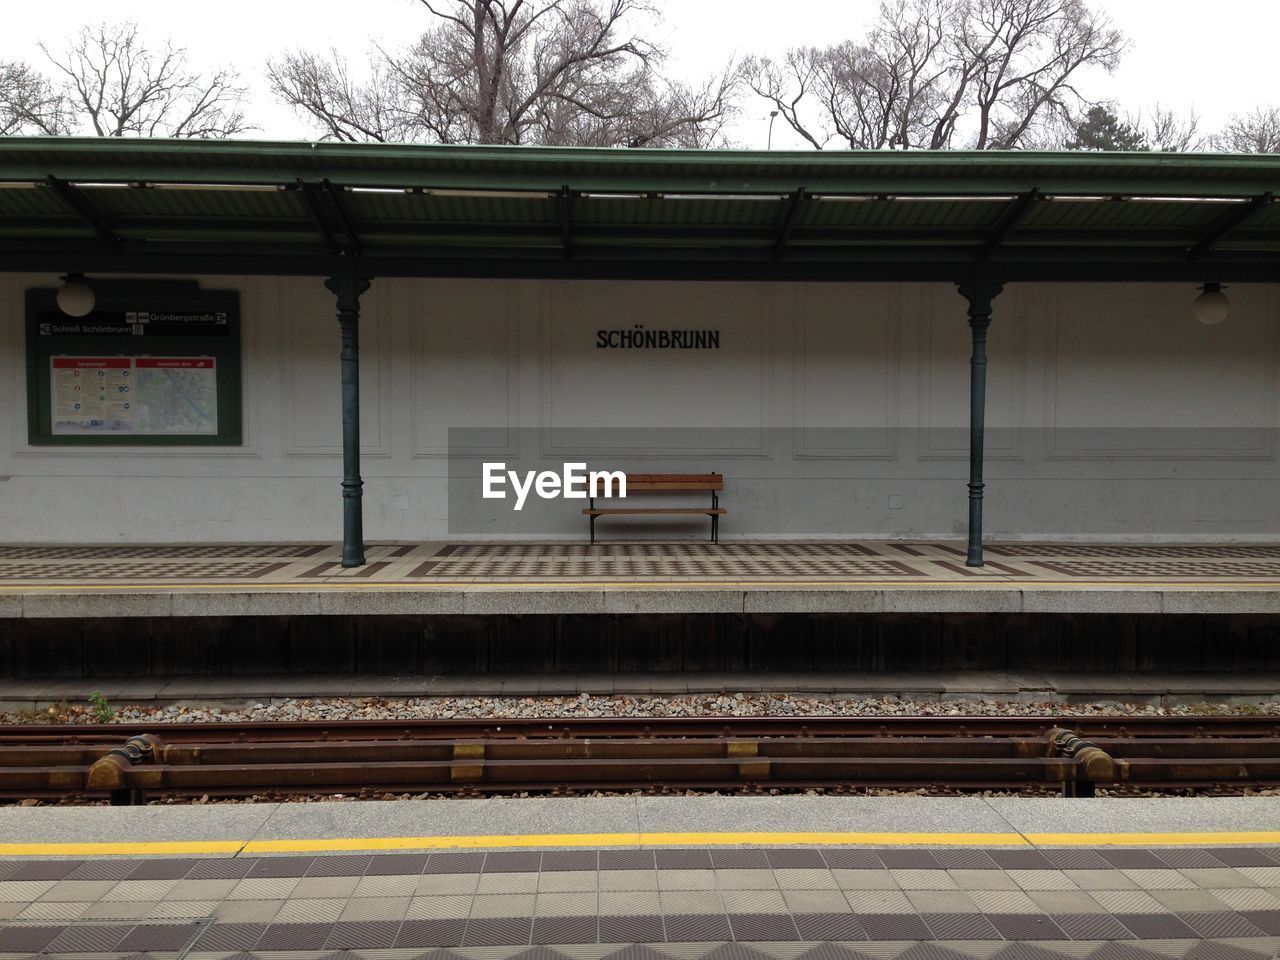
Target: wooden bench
651,483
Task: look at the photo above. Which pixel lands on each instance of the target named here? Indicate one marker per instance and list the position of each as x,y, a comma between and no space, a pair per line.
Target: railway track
135,763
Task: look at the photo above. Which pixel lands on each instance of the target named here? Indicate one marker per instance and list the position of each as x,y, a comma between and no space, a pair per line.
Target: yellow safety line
631,840
703,839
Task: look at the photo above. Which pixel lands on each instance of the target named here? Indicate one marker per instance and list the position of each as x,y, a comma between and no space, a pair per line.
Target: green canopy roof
106,205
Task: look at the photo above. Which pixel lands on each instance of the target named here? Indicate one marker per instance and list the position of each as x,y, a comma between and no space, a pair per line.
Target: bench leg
593,528
715,528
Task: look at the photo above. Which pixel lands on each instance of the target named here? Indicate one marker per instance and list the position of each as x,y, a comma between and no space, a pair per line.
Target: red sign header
91,363
175,363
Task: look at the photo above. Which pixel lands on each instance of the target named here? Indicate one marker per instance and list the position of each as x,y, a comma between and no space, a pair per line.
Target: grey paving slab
1203,683
1118,815
392,602
116,824
808,814
401,686
992,597
248,687
445,818
799,600
991,681
117,604
554,815
113,688
499,601
1097,599
953,600
243,603
673,601
375,818
1220,601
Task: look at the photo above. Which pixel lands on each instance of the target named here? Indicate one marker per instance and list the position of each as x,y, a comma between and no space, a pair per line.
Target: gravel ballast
617,705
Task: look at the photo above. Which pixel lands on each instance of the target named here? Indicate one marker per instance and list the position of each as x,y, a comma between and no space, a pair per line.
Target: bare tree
28,102
1030,51
1255,132
884,92
343,107
112,84
988,74
790,86
645,111
512,71
1170,132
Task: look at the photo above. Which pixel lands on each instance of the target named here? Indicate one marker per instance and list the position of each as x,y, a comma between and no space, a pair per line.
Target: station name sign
136,323
638,337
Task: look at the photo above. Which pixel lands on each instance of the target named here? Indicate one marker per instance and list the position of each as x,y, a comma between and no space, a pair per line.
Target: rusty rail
132,763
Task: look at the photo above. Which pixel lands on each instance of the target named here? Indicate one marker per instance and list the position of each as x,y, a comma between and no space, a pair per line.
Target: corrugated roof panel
678,211
30,202
189,204
1108,214
281,235
400,206
891,213
730,205
1267,218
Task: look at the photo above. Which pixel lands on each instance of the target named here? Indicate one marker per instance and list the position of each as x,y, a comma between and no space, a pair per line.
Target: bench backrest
672,483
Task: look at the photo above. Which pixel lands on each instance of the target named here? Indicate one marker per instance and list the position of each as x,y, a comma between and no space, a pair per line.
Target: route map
173,396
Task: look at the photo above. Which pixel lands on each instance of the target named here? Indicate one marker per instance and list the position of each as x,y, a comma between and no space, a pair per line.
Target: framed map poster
150,365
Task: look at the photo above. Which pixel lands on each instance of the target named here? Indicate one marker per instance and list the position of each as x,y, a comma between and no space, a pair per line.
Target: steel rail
132,763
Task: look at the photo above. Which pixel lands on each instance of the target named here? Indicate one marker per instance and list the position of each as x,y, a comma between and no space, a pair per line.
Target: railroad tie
758,769
464,767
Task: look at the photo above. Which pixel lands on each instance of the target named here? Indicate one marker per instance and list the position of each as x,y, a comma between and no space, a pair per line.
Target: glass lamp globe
1212,306
75,297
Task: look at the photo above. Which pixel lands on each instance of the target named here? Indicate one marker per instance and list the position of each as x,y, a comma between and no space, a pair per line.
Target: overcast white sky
1217,56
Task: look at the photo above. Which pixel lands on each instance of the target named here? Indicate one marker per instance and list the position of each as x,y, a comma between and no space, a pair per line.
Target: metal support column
347,286
979,294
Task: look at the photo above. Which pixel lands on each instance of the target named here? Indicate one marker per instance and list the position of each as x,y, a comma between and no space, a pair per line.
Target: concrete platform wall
539,645
833,411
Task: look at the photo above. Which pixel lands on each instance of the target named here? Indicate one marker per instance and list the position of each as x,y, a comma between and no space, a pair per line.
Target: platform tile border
1101,898
317,944
889,562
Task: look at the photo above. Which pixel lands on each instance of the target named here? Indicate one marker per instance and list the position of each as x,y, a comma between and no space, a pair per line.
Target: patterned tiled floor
887,562
725,903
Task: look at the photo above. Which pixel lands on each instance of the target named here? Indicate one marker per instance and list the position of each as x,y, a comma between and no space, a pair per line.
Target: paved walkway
194,580
826,562
724,878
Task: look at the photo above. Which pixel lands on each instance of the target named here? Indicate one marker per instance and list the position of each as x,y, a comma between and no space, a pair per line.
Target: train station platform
644,577
826,878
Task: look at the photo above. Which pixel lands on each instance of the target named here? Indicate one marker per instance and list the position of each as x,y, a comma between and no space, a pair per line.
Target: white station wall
848,405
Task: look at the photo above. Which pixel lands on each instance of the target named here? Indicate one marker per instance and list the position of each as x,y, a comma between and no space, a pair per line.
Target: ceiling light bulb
75,297
1212,306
